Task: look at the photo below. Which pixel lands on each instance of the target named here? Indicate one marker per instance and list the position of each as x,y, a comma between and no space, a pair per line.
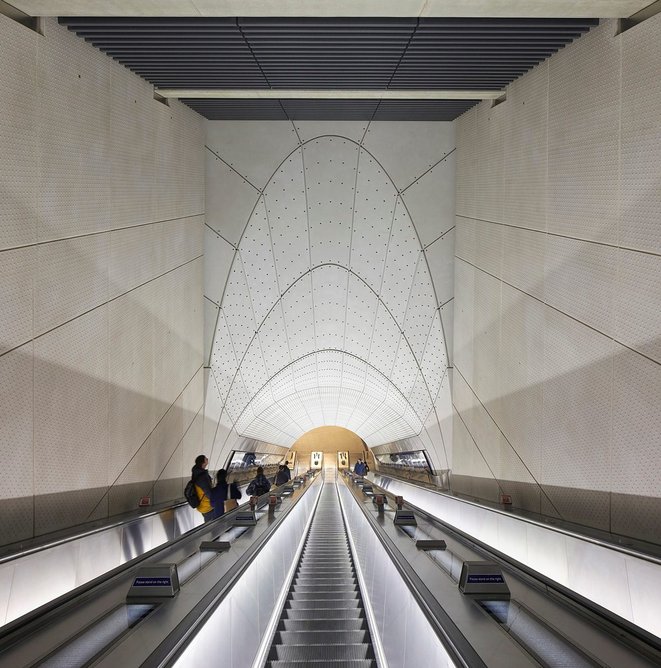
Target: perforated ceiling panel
329,315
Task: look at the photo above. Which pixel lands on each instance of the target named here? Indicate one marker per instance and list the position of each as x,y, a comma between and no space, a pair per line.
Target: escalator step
324,587
322,596
341,604
322,625
320,652
330,581
311,583
335,568
341,548
326,637
358,663
314,573
323,621
323,613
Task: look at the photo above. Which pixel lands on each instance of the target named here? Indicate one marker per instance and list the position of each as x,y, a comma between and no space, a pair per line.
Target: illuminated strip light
271,94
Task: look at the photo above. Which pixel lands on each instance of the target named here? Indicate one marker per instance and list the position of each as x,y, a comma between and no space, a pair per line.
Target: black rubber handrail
634,637
459,649
16,630
169,650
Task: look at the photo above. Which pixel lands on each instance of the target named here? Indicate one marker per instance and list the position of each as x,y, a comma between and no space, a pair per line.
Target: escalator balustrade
323,620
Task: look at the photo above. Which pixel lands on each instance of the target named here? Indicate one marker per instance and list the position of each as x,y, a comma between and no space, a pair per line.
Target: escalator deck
323,621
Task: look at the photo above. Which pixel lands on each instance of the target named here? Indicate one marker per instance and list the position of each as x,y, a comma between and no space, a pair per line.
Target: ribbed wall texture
329,53
101,243
557,380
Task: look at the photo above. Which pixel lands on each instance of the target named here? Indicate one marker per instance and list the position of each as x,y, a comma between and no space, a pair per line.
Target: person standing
222,493
202,481
259,484
287,470
281,476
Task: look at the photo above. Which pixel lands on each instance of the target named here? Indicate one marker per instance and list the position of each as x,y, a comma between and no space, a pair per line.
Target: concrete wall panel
556,318
101,293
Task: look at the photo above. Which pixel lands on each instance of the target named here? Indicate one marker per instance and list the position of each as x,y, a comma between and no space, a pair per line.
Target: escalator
323,620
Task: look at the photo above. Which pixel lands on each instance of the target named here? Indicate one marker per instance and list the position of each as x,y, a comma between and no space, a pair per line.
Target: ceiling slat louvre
369,53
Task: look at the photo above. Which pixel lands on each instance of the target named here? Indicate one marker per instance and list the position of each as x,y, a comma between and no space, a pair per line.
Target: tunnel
410,250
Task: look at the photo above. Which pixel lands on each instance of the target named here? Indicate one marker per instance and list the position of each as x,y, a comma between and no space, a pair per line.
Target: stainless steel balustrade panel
406,637
325,592
617,579
43,575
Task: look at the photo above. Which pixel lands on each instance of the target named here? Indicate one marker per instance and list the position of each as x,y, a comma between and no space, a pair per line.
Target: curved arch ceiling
329,315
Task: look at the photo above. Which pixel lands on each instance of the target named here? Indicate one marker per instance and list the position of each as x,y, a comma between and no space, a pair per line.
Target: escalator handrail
645,556
177,640
14,556
40,615
651,644
461,652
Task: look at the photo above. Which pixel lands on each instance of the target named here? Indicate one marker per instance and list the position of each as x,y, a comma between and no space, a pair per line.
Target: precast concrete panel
637,316
253,149
583,138
440,260
401,263
132,258
640,138
18,135
17,297
63,289
286,207
374,208
223,358
230,199
274,341
354,130
330,178
329,297
237,307
258,263
361,307
430,200
525,168
407,150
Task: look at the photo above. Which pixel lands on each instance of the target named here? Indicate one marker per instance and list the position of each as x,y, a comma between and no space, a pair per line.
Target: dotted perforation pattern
328,203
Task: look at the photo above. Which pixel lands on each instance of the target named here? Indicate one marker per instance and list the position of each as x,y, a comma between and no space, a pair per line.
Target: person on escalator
224,495
281,476
259,484
287,470
202,481
360,468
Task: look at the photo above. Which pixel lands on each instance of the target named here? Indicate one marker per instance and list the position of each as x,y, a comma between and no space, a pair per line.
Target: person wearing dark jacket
287,470
202,481
222,492
259,484
281,476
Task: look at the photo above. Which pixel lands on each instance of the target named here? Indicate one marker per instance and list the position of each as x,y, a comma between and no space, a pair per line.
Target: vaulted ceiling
329,314
337,242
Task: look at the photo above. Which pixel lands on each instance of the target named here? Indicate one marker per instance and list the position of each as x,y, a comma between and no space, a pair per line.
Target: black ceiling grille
329,53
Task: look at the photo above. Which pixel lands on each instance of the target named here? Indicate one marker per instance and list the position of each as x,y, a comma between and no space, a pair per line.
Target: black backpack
257,488
191,494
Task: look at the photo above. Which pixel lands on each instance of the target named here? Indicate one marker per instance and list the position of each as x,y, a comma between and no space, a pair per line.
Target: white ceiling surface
397,8
329,314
